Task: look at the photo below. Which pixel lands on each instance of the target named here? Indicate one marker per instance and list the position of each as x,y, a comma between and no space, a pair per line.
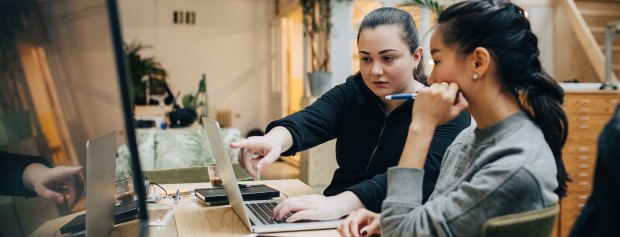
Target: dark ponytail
409,31
501,28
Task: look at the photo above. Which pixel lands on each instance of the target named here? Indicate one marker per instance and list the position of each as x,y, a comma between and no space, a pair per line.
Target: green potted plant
147,75
317,22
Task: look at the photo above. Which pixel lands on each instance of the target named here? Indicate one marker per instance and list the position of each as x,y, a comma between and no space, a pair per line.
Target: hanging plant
431,5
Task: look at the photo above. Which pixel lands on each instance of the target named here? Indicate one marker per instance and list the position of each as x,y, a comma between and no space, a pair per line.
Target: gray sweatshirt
504,169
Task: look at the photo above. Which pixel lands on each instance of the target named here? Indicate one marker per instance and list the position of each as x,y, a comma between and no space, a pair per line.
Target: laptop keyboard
263,211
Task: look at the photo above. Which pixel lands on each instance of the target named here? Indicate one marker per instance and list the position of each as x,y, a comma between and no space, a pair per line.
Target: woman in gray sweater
486,63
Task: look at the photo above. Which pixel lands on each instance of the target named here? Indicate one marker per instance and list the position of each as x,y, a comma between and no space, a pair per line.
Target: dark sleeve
316,123
599,216
12,168
372,192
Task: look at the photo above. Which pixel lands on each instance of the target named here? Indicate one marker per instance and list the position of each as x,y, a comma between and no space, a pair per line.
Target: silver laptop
100,185
256,215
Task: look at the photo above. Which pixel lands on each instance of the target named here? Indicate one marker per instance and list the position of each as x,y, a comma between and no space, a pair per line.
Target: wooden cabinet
587,112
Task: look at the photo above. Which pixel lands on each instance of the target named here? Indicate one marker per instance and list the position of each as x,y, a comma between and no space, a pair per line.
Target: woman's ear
417,56
482,60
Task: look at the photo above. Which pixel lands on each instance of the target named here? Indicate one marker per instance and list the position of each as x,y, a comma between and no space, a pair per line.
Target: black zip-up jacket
12,168
369,141
601,214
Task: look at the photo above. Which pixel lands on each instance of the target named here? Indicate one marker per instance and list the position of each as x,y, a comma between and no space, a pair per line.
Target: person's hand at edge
49,183
268,148
361,223
317,207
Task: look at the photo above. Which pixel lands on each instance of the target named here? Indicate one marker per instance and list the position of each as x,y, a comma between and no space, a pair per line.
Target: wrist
421,129
30,173
282,136
348,202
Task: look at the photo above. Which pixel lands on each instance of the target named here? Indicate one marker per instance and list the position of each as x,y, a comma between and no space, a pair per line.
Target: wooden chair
527,224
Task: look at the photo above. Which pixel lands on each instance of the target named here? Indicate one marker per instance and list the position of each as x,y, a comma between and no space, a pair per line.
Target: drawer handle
583,183
581,205
583,118
583,174
582,149
582,166
584,101
582,197
584,109
582,157
584,126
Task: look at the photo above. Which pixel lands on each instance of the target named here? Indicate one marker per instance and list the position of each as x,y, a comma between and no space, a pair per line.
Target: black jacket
601,214
12,168
368,141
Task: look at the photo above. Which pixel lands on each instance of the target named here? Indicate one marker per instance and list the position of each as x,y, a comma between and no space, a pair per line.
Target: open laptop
100,187
256,215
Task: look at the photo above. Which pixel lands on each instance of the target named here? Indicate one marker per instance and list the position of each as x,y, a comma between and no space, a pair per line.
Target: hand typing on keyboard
264,210
317,207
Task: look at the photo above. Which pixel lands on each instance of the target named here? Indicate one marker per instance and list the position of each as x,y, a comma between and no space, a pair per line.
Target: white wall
230,42
341,50
542,21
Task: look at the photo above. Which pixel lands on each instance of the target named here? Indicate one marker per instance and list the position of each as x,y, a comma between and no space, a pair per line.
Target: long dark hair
501,28
409,32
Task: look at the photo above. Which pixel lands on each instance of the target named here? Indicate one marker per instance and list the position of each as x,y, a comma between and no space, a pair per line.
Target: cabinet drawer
586,148
574,158
584,106
581,128
574,201
580,167
577,148
581,182
589,119
577,100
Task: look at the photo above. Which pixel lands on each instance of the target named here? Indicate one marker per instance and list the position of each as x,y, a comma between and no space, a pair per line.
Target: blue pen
401,96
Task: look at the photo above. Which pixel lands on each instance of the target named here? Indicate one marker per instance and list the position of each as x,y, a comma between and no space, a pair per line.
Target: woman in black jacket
370,129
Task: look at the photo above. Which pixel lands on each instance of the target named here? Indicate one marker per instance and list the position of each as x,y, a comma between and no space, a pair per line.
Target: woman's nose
376,69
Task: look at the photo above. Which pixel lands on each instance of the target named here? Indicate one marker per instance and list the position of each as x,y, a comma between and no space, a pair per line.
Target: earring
475,76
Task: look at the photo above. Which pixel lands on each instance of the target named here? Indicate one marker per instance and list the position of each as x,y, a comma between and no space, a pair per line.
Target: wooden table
194,218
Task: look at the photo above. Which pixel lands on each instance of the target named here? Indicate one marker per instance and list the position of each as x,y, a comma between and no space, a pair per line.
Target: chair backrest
532,223
199,174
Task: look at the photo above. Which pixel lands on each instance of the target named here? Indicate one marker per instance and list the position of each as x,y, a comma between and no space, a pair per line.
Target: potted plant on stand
147,75
317,29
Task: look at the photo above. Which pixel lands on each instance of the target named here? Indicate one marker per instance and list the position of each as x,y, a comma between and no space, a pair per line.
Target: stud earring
475,76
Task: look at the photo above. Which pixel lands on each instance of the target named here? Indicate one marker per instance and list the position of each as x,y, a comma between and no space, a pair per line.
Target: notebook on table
253,192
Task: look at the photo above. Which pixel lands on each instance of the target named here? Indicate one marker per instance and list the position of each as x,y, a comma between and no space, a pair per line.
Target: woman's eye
435,62
365,59
388,59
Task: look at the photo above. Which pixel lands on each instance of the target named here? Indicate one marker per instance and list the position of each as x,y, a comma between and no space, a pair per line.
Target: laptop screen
62,82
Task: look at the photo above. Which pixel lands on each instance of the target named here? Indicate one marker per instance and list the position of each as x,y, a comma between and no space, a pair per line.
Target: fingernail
59,200
259,167
364,232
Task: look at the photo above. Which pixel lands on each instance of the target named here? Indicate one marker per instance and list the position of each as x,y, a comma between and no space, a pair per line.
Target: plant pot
320,82
15,127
